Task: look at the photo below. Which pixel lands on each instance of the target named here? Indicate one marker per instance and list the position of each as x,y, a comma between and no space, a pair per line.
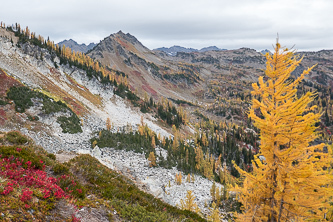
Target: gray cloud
190,23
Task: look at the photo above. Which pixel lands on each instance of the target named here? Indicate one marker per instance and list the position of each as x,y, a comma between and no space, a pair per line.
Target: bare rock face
65,156
87,214
96,152
64,210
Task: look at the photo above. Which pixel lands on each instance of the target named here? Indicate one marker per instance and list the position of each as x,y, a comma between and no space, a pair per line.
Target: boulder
97,152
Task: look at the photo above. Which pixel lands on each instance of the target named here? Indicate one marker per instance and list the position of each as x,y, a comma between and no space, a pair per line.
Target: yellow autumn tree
290,183
189,203
175,143
199,157
204,139
152,159
108,124
214,215
213,191
153,144
163,142
188,178
178,178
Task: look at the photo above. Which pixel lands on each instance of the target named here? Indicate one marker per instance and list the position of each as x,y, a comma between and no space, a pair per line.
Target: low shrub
60,168
51,106
70,124
26,154
22,98
16,138
33,118
51,156
72,186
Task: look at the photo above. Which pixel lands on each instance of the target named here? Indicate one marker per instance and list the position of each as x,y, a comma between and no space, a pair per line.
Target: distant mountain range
175,49
76,46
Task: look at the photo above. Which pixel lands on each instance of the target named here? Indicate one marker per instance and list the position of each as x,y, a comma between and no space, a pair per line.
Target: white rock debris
156,179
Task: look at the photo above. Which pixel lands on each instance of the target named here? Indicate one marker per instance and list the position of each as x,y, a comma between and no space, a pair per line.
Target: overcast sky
229,24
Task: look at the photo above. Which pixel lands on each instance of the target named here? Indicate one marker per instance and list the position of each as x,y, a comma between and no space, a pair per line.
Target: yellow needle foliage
152,159
291,183
178,178
189,203
214,215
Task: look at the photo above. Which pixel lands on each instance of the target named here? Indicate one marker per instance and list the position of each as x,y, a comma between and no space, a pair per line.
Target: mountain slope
199,77
88,98
92,100
146,71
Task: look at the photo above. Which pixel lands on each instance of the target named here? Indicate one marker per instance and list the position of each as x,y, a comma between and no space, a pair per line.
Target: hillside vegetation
34,185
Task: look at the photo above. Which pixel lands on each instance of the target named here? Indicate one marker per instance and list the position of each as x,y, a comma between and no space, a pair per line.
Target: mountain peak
127,37
211,48
75,46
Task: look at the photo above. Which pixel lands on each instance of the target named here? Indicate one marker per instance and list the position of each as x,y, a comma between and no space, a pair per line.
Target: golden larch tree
178,178
108,124
152,159
199,157
163,142
290,183
175,143
204,140
153,144
189,203
214,215
212,191
208,164
188,178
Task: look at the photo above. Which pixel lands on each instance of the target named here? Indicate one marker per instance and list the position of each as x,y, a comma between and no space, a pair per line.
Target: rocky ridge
76,46
173,50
